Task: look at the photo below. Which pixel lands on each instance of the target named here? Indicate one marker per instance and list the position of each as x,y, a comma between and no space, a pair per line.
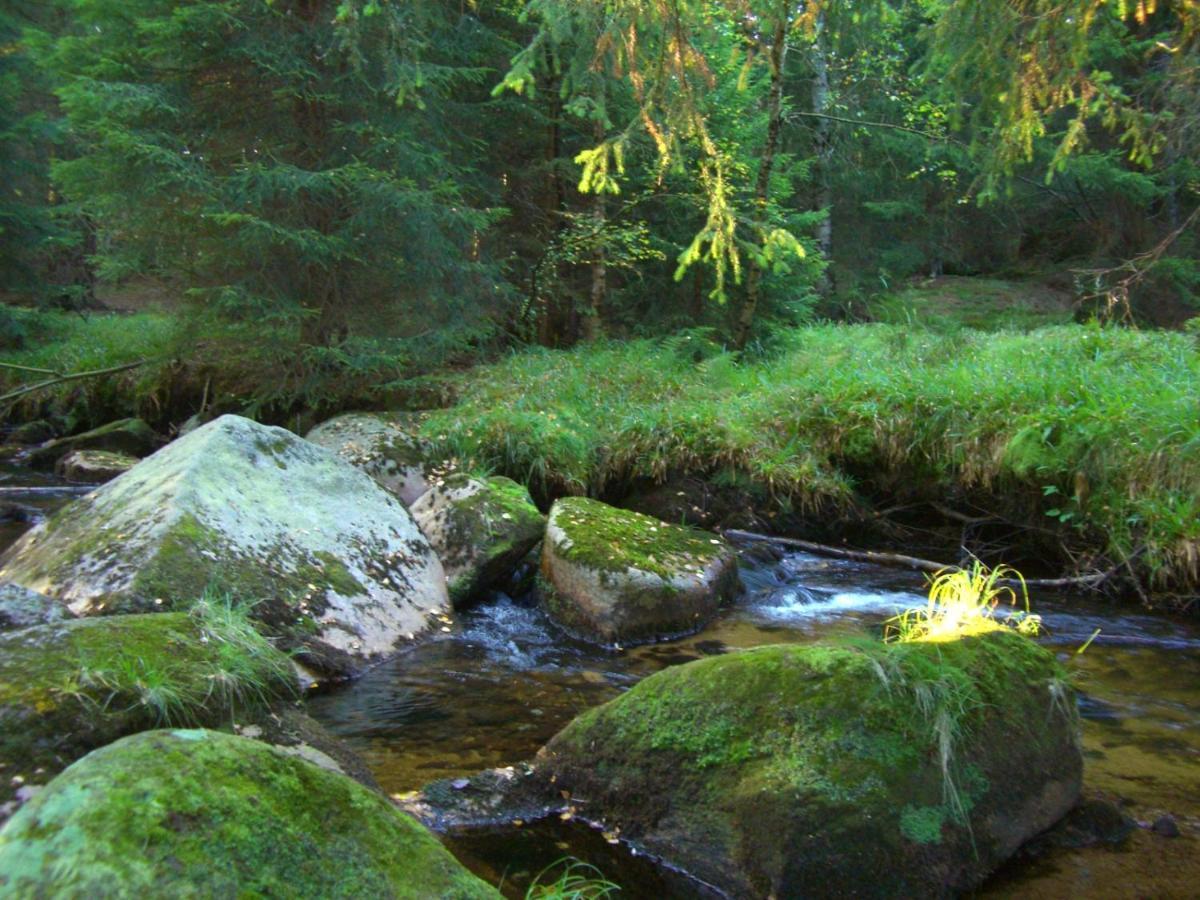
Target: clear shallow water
498,687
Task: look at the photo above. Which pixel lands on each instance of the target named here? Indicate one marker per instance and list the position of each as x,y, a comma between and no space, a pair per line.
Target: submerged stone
70,687
860,770
334,565
23,608
611,575
94,466
480,528
203,814
381,445
132,437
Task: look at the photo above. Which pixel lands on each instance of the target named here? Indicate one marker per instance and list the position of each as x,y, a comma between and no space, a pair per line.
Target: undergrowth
245,671
1097,428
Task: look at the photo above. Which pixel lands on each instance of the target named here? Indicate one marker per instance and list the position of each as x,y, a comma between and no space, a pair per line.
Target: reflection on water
498,688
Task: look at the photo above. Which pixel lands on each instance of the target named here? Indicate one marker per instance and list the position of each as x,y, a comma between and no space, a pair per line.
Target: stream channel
503,681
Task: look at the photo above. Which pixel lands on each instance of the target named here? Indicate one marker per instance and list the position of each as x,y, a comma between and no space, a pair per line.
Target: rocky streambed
916,772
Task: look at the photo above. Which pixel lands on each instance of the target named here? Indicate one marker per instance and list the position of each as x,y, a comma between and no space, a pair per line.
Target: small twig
21,368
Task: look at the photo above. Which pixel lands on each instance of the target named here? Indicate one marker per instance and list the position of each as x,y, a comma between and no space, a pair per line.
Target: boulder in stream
204,814
480,528
614,576
384,446
93,466
132,437
334,564
899,770
70,687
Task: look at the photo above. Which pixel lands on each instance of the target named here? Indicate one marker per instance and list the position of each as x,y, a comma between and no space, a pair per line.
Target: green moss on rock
480,528
68,688
203,814
614,575
897,770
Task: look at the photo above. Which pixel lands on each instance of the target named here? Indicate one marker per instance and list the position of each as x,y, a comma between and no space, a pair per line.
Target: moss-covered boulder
23,608
204,814
614,576
336,565
93,466
480,528
792,771
384,446
68,688
132,437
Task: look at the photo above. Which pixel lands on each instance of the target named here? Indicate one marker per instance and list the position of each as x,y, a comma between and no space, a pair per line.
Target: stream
504,680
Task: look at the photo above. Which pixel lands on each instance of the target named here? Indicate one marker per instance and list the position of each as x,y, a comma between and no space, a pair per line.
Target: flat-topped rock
614,576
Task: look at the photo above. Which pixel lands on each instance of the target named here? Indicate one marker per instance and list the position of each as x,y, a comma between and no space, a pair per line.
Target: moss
68,688
481,529
607,539
199,813
881,752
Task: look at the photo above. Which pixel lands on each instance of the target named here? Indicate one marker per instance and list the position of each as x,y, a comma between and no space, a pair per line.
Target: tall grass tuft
964,602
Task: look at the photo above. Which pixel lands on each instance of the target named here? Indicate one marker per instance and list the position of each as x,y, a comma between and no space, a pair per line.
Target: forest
596,448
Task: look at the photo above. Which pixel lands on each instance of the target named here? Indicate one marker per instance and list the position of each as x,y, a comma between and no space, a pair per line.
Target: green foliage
1102,414
571,879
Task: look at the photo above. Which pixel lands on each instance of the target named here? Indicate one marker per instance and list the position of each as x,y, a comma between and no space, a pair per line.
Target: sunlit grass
964,602
1086,430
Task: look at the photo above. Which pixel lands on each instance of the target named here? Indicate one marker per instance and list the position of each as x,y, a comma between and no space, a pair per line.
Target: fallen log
59,378
909,562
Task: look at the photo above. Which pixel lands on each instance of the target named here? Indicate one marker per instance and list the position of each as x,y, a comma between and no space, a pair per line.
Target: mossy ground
607,539
68,688
204,814
785,768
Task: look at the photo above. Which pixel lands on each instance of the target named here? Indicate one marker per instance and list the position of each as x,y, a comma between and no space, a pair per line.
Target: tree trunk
762,184
823,145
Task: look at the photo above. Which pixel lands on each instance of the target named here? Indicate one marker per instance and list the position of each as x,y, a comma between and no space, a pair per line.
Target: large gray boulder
614,576
867,770
480,528
383,446
335,564
195,813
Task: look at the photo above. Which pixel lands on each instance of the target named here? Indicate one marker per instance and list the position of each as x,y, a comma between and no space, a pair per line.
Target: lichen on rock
333,563
480,528
199,813
864,769
612,575
23,608
383,446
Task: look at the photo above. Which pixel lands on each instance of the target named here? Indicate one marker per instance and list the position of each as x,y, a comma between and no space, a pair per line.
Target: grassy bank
1094,431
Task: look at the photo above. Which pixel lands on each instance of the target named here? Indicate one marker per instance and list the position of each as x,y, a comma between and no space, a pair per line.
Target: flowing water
498,687
504,680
